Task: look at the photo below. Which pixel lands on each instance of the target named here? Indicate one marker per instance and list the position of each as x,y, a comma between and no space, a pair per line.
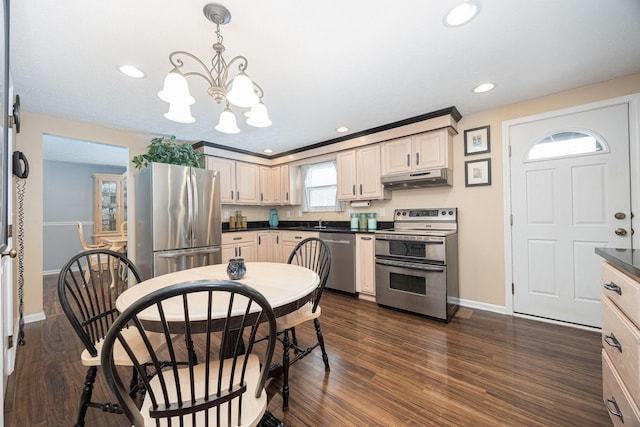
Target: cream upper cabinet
429,150
239,181
110,210
290,185
365,267
359,174
247,184
269,185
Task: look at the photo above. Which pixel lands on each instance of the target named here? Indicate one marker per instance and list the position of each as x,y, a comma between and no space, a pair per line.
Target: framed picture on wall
477,141
477,172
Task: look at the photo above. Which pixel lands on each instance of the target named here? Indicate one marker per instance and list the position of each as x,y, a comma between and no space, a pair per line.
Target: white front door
570,193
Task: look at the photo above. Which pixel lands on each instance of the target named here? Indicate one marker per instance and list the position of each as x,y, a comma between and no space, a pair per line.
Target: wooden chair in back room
86,246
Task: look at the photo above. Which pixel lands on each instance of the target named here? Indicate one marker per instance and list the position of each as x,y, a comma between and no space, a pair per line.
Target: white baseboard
49,272
558,322
30,318
479,305
367,297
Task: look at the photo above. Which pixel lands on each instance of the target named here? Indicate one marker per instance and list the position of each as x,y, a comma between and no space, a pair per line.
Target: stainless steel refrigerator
178,224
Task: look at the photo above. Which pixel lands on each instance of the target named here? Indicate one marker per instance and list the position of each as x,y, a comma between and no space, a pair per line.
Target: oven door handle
411,265
400,239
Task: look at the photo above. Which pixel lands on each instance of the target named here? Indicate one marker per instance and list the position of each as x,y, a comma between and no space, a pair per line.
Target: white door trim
634,146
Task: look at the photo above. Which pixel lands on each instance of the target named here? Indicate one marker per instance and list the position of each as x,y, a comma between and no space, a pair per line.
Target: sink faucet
320,223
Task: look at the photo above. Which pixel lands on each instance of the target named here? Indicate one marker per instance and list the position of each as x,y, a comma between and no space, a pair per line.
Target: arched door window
566,144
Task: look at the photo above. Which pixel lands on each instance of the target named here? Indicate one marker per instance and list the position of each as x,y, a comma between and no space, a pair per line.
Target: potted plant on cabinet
163,149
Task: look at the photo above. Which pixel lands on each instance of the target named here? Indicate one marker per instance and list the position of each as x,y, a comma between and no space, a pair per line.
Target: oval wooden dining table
287,287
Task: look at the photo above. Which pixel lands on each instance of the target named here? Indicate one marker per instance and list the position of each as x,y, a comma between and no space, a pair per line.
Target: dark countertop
626,259
331,227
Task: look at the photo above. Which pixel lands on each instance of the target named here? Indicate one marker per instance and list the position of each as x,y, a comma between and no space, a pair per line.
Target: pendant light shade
258,116
227,122
176,89
242,93
180,113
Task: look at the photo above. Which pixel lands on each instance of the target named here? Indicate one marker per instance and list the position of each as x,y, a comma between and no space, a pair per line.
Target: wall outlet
381,212
300,213
225,215
288,214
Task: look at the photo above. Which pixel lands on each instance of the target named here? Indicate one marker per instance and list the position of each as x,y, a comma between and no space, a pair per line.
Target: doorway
68,192
572,172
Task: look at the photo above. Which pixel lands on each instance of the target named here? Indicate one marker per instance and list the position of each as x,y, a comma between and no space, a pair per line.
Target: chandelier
239,91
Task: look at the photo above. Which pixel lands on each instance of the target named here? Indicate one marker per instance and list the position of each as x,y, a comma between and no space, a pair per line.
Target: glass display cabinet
110,204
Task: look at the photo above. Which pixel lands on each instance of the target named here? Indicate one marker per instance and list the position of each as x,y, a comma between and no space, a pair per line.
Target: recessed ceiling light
484,87
131,71
268,151
461,14
342,129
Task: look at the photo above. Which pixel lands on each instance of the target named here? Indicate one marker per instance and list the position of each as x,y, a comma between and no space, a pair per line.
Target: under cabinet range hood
431,178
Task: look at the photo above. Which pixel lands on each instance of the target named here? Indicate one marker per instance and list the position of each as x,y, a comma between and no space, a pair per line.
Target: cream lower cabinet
239,244
359,174
365,264
621,345
424,151
290,239
269,246
239,181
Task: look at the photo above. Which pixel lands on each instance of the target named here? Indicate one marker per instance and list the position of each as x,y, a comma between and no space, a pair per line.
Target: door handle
11,253
621,232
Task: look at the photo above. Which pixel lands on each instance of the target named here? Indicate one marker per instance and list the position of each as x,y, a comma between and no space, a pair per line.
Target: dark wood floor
387,368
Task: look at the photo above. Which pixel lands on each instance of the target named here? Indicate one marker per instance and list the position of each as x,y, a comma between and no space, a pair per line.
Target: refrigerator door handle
195,207
190,206
190,253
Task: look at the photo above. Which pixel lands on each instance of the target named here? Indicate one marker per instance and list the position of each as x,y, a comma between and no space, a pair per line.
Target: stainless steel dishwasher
342,275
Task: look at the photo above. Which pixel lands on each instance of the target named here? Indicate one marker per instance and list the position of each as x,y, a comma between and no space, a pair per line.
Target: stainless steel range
417,262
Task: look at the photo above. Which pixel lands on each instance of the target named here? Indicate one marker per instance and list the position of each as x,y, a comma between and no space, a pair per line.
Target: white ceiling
71,150
322,64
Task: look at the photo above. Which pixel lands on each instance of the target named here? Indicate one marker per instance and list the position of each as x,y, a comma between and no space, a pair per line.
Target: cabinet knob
620,215
621,232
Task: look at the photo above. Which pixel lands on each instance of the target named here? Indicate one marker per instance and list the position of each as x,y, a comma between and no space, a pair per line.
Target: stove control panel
426,215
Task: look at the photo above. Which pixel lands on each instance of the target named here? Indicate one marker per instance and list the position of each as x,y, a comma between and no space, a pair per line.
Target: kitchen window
320,187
